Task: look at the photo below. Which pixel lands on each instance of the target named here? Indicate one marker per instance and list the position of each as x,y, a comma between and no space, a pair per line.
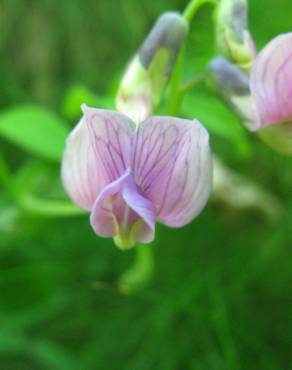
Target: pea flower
233,38
143,84
129,176
271,91
264,99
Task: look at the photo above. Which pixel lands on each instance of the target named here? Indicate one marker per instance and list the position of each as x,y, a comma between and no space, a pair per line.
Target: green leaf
44,352
40,192
35,130
78,95
218,119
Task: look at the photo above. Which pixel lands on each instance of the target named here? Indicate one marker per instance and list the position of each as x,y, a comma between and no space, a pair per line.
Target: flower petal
102,218
121,206
135,199
172,165
271,82
97,152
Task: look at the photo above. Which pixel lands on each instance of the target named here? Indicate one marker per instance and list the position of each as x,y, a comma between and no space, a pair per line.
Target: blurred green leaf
26,285
38,177
8,216
34,129
46,354
50,208
78,95
40,191
218,119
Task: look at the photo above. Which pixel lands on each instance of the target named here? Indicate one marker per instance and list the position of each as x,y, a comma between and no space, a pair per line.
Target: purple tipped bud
145,79
168,34
227,78
232,85
233,37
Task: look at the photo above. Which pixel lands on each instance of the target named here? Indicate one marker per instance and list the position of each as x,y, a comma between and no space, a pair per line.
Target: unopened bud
167,35
232,85
227,77
232,35
145,79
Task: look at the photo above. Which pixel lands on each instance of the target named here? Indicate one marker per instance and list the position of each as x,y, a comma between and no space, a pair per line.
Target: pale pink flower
271,82
129,176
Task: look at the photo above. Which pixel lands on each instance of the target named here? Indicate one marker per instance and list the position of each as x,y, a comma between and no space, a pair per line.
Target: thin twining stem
193,6
189,85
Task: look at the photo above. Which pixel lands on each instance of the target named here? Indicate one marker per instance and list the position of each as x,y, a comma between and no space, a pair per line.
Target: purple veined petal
97,152
173,167
271,82
122,210
102,218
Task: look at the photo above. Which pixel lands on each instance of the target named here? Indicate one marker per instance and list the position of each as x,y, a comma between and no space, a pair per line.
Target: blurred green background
220,297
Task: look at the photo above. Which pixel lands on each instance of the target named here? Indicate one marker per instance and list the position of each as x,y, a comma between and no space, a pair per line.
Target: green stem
193,7
174,94
189,85
140,273
48,208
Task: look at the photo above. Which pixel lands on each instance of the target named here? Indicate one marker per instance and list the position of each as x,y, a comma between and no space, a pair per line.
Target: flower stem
176,92
187,86
175,82
140,273
193,7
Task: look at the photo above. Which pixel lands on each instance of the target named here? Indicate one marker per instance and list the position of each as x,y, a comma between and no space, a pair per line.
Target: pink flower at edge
271,83
129,176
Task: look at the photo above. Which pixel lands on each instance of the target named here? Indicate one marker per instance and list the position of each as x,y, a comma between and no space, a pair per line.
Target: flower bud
232,85
143,84
232,35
